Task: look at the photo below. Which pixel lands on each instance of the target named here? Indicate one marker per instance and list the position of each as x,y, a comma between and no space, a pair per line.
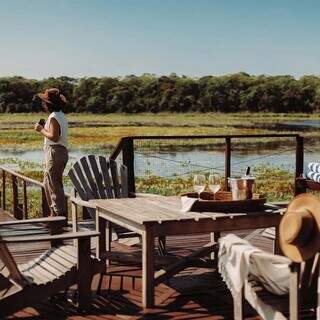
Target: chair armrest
65,236
38,220
82,203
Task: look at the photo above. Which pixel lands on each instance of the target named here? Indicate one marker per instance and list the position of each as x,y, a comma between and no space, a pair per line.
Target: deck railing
126,147
20,205
20,210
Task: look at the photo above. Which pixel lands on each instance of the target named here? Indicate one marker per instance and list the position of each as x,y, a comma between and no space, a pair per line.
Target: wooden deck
195,293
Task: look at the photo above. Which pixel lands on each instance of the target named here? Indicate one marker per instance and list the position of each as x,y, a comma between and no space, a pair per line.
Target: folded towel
187,203
314,166
238,259
315,176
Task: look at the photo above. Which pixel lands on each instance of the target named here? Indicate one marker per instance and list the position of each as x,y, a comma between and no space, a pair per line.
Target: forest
239,92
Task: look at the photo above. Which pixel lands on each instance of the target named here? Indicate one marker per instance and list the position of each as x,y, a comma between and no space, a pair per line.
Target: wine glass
199,183
214,183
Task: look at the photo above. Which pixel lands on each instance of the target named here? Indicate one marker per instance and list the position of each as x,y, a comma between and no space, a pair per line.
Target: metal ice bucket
241,188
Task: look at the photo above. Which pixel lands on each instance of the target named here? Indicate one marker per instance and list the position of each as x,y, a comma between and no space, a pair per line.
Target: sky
82,38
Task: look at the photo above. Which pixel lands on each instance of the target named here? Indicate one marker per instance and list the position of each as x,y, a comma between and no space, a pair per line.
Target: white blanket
187,203
238,259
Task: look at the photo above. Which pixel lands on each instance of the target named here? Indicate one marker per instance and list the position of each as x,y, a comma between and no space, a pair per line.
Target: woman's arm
53,133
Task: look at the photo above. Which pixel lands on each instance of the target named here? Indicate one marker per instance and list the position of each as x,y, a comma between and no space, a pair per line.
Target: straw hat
299,231
53,96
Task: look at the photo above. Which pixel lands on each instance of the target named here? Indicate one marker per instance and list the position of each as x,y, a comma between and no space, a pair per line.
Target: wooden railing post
299,156
17,212
128,160
25,200
227,163
3,190
299,161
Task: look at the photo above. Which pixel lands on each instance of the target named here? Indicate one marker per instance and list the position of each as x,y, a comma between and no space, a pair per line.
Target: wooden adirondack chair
95,177
55,270
302,294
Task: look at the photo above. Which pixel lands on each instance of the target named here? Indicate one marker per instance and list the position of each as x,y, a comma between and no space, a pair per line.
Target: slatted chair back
7,259
95,177
308,275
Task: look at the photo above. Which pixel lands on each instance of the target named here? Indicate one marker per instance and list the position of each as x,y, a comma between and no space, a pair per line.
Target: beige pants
56,158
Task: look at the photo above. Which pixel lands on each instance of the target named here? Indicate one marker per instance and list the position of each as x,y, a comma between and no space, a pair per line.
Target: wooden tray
223,202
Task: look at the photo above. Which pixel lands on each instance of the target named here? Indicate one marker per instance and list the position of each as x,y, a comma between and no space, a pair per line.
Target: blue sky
42,38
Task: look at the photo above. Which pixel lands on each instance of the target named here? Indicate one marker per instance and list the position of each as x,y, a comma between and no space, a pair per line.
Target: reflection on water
173,164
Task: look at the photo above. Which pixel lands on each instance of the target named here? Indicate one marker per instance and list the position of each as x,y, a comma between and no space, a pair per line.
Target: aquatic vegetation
92,131
275,183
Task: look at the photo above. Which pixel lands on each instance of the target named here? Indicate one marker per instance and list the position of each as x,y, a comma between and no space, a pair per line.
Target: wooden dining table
161,216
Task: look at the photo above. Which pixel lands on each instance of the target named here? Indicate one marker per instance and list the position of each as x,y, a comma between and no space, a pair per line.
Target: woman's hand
52,133
38,127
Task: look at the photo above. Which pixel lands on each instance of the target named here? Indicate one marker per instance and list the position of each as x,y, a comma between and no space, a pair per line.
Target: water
301,124
182,163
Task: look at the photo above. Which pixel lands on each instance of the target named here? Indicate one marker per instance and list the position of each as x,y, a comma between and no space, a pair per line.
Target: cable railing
130,148
15,192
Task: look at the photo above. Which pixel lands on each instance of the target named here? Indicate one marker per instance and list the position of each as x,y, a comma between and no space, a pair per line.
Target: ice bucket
241,188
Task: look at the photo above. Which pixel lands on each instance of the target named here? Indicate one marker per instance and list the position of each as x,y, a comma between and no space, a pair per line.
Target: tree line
150,93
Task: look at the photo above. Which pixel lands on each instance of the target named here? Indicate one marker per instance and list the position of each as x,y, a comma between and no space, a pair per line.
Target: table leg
108,239
214,237
101,244
148,269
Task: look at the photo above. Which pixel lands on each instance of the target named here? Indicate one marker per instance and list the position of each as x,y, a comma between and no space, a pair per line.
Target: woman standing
55,149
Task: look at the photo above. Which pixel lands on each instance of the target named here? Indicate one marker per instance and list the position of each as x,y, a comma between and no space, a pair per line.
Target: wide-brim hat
53,96
299,230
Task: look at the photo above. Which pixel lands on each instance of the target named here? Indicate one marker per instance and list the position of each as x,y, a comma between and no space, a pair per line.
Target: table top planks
143,210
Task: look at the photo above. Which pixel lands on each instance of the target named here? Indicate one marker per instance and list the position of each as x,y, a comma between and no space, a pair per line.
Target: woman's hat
53,96
299,233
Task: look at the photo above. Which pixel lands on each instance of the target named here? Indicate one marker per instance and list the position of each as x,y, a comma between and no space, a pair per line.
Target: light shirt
63,138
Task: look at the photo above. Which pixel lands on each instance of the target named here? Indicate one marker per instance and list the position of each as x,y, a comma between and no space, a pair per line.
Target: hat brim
299,204
44,97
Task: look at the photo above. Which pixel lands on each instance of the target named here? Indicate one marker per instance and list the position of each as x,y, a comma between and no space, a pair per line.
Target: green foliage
275,183
149,93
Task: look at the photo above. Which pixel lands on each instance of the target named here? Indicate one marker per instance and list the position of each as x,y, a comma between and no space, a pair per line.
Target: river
179,163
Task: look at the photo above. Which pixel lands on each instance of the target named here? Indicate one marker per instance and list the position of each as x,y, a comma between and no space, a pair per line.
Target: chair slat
83,181
97,176
76,183
309,274
90,179
124,181
106,177
115,178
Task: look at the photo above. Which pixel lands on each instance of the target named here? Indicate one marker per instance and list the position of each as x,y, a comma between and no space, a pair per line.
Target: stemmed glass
199,183
214,183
